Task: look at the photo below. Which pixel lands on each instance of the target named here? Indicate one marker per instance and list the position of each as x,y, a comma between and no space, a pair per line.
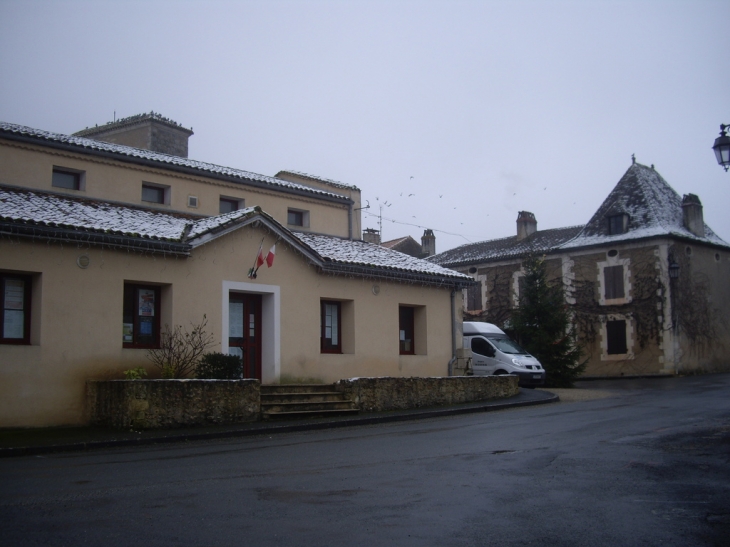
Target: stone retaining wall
378,394
151,404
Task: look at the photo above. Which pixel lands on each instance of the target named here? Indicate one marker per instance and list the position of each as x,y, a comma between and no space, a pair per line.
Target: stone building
632,315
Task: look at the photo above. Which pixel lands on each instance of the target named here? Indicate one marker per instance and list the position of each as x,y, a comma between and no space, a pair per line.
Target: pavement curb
273,428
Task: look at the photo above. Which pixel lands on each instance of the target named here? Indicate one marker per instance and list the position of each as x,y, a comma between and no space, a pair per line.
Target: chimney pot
692,216
526,225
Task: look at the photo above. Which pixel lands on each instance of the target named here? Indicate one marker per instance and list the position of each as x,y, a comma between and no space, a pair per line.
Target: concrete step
300,397
306,406
296,388
303,415
301,401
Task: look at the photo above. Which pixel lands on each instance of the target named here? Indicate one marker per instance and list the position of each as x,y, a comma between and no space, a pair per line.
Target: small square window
228,205
141,316
295,218
70,180
153,194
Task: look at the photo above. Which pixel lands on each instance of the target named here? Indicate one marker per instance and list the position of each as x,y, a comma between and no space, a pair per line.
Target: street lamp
722,147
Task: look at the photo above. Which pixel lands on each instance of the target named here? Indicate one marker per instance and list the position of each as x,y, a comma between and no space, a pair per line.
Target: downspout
453,334
349,221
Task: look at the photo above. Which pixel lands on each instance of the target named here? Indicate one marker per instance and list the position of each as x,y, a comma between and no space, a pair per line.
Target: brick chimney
371,235
147,131
526,225
693,219
428,243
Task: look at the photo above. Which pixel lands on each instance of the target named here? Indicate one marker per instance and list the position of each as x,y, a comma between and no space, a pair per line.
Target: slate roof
542,241
653,207
18,132
47,216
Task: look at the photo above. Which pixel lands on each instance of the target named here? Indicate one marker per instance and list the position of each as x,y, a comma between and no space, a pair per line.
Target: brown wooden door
244,331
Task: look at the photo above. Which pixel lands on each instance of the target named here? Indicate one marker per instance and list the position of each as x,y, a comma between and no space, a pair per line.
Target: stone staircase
300,401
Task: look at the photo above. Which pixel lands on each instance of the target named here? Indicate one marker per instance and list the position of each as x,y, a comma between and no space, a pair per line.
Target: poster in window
14,292
145,327
146,303
13,324
128,330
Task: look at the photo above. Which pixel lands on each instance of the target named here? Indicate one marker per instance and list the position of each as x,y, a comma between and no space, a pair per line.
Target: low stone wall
378,394
150,404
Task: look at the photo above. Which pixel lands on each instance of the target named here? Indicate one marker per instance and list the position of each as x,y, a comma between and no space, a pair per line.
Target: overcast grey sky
479,109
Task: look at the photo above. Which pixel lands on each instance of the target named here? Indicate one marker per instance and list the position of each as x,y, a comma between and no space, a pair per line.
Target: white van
495,353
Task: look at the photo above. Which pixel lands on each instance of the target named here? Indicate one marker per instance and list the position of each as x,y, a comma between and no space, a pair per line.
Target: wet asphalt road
648,466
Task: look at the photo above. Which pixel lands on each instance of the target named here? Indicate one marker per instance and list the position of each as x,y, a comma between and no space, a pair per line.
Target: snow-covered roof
330,182
50,210
42,215
541,241
653,209
361,253
122,152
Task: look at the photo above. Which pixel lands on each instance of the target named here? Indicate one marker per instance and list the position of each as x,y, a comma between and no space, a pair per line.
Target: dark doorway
244,331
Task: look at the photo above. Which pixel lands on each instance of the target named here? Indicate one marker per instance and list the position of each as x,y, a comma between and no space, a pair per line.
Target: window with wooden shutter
613,277
616,337
474,297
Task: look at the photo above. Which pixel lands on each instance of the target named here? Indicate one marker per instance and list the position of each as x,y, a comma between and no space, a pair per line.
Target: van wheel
500,373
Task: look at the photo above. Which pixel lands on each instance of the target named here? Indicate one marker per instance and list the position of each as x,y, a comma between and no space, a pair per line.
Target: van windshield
505,345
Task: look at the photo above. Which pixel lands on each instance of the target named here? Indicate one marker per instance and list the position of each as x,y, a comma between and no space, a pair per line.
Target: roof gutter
393,275
121,242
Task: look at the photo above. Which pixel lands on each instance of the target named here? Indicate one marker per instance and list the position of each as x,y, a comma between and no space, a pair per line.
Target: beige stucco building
102,245
633,317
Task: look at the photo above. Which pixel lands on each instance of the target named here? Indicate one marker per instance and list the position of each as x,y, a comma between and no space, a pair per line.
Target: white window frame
516,287
614,261
605,356
270,325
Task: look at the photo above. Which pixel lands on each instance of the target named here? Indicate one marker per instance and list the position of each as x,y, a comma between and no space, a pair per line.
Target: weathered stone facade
645,280
151,404
380,394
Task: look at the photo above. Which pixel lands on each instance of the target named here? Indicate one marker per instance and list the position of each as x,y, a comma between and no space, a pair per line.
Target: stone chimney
147,131
692,215
371,235
526,224
428,243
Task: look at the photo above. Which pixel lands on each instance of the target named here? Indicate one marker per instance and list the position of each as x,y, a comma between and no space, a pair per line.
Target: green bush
135,373
219,366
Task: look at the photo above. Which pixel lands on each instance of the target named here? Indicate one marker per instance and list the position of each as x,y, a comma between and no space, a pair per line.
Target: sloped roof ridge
331,182
506,247
361,253
653,206
91,221
130,151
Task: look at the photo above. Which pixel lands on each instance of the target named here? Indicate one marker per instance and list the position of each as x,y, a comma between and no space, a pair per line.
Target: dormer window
618,224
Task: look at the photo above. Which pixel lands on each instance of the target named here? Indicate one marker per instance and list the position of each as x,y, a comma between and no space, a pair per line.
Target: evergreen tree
542,325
